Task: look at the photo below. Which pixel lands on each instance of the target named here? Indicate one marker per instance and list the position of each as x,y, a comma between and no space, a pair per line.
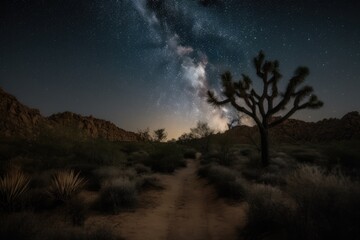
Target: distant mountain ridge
293,130
18,120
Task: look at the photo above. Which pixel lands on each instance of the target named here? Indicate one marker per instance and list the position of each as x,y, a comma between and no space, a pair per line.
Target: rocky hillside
93,127
18,120
292,130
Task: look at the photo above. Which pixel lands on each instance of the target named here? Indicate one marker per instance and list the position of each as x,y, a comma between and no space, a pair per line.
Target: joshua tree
263,105
160,135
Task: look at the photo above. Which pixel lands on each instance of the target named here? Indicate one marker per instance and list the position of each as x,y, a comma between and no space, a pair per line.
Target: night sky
148,63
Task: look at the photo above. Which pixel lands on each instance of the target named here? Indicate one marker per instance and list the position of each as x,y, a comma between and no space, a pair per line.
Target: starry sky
149,63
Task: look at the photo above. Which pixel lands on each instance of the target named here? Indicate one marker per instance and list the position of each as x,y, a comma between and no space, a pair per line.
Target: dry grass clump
65,184
314,204
328,203
13,186
269,213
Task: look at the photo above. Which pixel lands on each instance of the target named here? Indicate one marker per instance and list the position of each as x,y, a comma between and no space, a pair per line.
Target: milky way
149,63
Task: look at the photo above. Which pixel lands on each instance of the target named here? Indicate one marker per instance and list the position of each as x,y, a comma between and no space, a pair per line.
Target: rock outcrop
18,120
93,127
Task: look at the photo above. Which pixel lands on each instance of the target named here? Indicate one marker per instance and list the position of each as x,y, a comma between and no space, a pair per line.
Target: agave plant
13,185
65,184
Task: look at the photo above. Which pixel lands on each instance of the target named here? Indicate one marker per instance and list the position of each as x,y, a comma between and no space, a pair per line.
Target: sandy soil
187,209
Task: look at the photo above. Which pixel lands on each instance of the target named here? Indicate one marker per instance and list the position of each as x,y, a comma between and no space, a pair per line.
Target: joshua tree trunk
264,145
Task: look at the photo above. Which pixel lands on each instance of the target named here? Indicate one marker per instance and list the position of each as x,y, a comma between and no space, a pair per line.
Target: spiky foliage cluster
262,106
65,184
13,185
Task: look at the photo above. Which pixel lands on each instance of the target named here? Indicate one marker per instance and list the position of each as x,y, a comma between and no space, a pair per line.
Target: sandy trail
187,209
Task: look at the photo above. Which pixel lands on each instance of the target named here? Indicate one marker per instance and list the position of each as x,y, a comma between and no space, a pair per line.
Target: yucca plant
13,185
65,184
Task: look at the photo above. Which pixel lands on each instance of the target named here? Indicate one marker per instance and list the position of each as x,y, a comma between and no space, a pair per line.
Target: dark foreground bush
77,211
190,154
166,158
268,215
328,204
148,182
19,226
227,182
118,194
317,206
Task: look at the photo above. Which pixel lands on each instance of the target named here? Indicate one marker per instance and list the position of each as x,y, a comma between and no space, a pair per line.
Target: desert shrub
303,154
118,194
65,184
251,174
99,152
19,226
227,182
213,157
142,169
77,211
269,215
165,158
203,170
254,160
112,172
190,154
13,186
138,157
317,205
246,152
148,182
344,154
131,147
219,174
328,204
232,189
272,179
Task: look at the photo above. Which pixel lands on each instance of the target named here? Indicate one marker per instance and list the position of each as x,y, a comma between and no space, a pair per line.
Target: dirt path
187,209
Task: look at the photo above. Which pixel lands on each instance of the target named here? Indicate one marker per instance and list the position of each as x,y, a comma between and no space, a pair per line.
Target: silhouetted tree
262,106
144,135
185,138
160,135
201,130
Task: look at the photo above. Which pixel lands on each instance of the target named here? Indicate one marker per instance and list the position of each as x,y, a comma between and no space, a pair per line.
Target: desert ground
187,208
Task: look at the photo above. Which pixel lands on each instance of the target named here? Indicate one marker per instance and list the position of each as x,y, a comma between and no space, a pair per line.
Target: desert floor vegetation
302,194
308,191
